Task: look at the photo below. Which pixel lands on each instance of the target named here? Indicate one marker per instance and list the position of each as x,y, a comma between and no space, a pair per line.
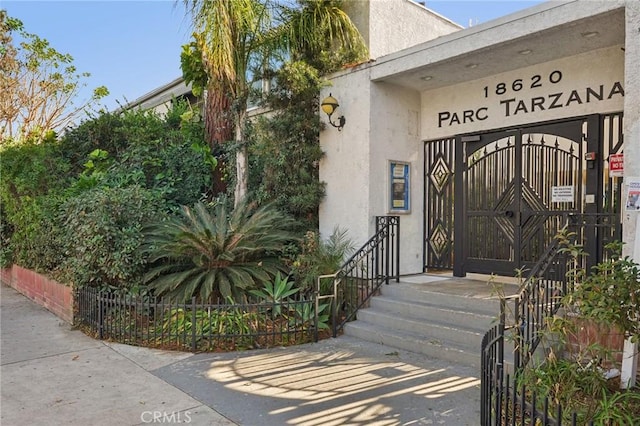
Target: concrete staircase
436,316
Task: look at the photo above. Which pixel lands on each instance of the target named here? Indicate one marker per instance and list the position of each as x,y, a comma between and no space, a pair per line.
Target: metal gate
515,189
494,201
438,217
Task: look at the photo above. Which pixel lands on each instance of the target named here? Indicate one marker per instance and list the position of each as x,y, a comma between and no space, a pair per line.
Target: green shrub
171,166
103,236
611,294
320,258
118,132
212,254
277,291
572,374
58,190
37,238
107,132
306,314
34,177
567,383
286,152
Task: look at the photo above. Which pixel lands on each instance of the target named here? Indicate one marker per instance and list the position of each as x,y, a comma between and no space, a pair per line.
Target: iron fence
166,323
504,402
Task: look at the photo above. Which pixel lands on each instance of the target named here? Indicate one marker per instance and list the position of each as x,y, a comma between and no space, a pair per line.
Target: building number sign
516,98
518,84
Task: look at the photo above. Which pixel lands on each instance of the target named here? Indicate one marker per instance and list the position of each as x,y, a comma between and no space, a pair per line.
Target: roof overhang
549,31
160,95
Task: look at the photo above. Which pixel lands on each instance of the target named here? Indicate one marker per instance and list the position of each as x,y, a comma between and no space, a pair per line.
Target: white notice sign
562,194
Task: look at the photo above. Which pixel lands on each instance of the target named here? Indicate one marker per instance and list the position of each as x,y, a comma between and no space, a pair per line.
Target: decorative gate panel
438,227
515,190
505,209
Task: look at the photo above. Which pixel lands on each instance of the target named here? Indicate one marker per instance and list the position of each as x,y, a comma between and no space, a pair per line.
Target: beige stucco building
526,109
483,140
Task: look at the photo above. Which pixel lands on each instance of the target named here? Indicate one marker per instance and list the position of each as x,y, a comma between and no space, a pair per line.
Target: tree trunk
218,129
242,160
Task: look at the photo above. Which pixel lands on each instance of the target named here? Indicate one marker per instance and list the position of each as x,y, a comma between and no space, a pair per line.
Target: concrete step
445,319
432,330
401,339
486,304
464,319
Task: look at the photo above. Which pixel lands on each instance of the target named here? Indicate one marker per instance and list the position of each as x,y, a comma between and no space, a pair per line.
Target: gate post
594,172
458,209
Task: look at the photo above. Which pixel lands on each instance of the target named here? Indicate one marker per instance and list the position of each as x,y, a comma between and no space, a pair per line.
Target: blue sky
133,47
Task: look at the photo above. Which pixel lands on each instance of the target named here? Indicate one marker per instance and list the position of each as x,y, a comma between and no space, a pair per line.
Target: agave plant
276,292
211,253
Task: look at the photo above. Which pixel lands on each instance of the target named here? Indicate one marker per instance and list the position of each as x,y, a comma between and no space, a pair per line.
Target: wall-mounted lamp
329,106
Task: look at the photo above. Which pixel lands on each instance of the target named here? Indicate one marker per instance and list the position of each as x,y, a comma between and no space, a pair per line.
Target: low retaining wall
56,297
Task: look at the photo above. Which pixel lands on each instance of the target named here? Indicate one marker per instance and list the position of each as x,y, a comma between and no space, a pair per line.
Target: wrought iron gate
502,195
438,224
515,189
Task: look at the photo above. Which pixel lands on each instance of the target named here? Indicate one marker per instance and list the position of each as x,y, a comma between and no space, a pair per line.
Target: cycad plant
213,253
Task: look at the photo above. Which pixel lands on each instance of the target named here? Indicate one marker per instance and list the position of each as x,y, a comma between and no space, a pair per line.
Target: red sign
616,165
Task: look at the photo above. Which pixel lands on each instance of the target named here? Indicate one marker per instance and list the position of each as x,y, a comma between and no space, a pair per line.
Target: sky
133,47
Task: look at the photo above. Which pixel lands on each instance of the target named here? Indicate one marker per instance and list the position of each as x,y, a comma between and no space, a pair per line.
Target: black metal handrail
375,263
540,298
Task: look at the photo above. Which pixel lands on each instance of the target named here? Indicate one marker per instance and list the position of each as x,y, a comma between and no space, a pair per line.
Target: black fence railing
540,298
595,227
160,322
513,404
164,323
375,263
503,402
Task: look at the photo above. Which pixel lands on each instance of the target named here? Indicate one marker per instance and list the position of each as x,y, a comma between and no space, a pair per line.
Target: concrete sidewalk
53,375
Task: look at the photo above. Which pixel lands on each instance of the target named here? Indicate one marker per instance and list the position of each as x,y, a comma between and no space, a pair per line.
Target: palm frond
209,253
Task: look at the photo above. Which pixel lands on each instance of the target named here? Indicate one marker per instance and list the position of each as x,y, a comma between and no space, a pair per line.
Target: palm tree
209,254
218,126
236,35
318,28
232,38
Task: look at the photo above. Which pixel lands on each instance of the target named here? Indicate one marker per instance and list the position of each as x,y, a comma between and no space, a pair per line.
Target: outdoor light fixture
329,106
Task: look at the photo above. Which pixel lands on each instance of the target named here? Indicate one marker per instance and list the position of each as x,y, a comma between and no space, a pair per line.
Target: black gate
498,195
515,188
438,217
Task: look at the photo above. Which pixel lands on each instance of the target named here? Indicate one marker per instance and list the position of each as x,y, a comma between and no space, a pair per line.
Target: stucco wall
345,165
548,91
632,122
391,25
382,126
395,136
